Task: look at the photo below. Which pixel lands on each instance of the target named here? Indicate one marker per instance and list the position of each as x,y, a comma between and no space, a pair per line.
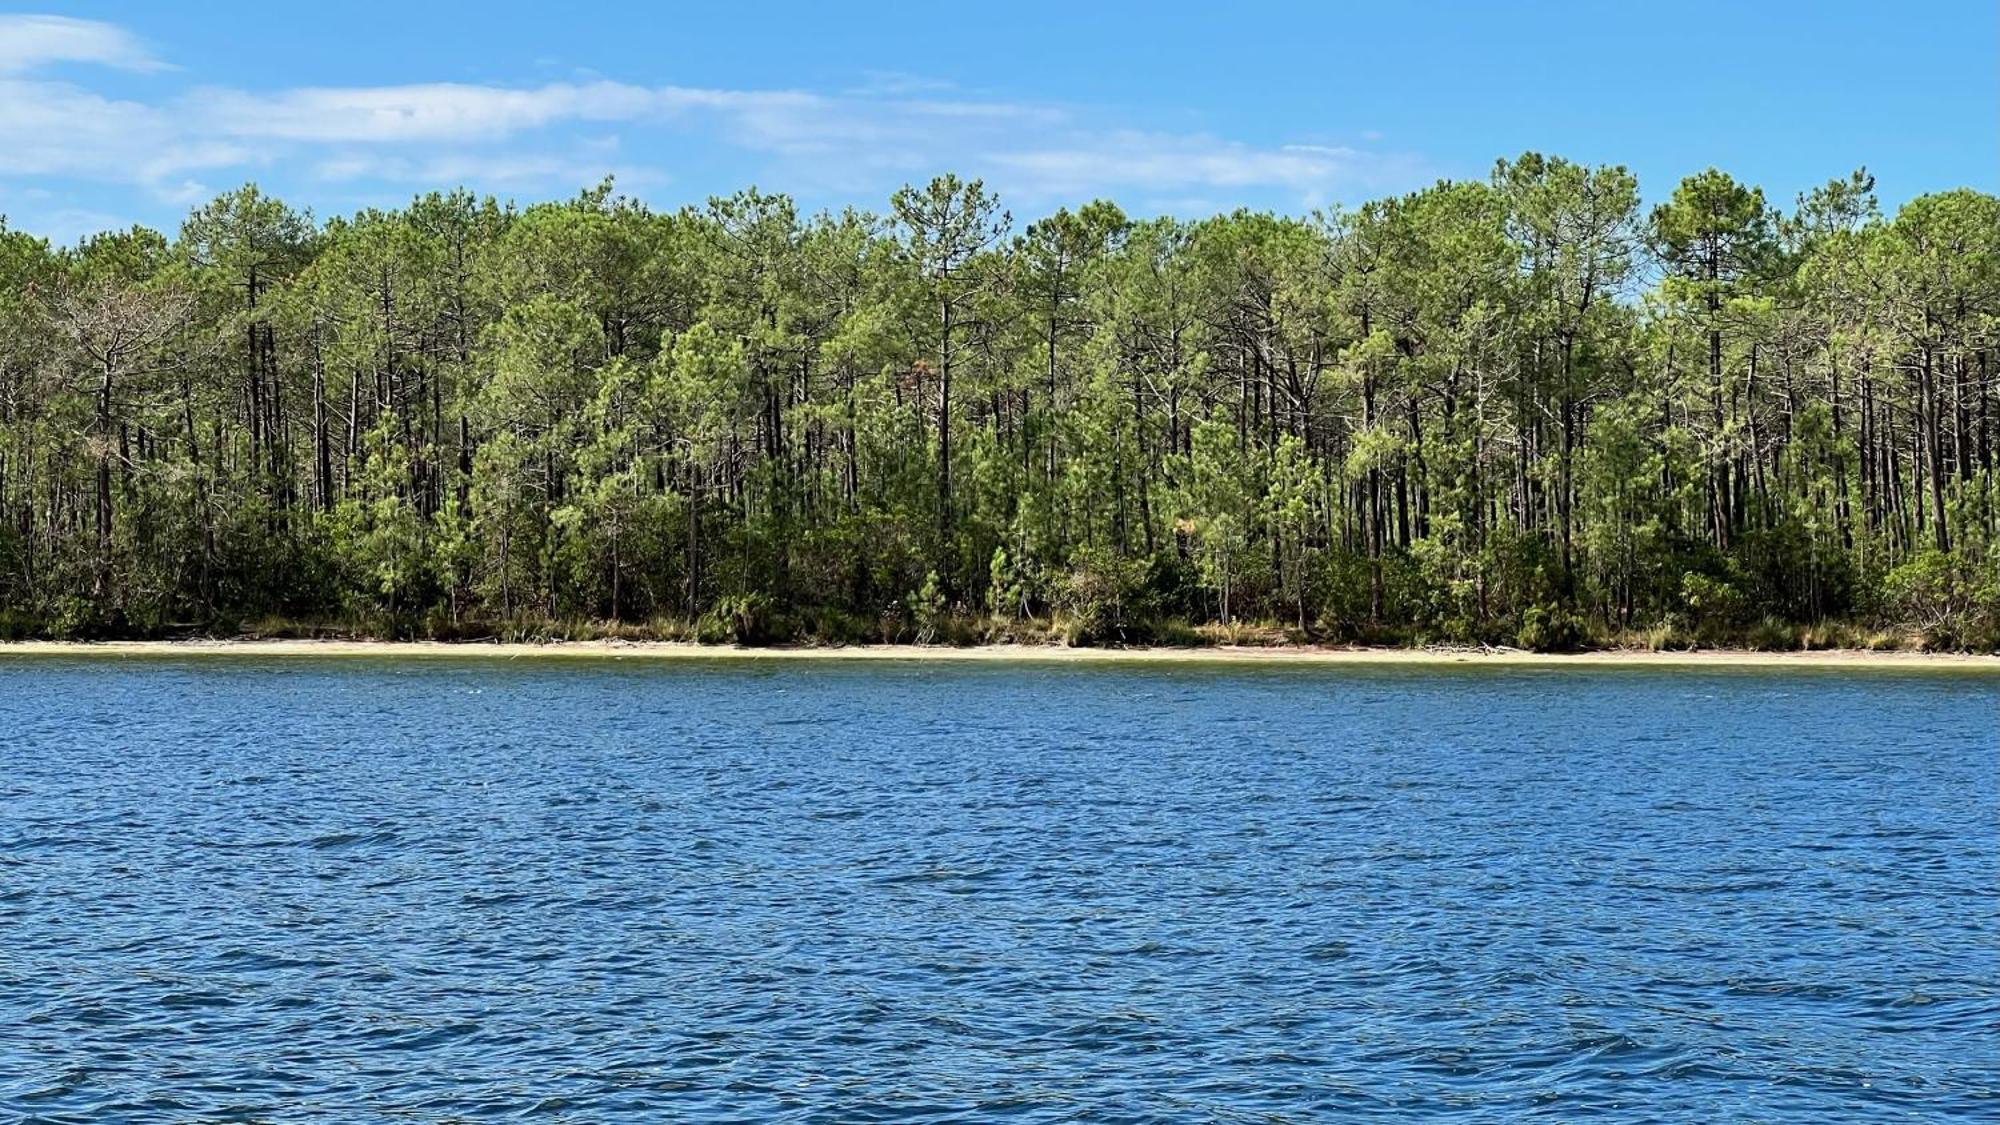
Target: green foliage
1714,600
926,606
1546,628
1096,601
1946,598
740,619
1451,416
1006,592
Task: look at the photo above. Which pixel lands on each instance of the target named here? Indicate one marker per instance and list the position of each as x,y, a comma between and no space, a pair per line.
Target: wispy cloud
493,171
1169,162
458,112
31,41
897,83
860,142
56,129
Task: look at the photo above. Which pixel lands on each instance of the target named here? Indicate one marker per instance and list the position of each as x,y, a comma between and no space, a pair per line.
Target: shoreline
1276,655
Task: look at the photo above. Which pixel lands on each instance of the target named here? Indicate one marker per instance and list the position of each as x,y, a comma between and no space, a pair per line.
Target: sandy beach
1265,655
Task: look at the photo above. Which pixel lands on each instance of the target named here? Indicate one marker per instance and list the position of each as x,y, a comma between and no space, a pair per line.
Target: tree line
1524,409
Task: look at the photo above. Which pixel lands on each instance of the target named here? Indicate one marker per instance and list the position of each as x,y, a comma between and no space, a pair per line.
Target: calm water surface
462,890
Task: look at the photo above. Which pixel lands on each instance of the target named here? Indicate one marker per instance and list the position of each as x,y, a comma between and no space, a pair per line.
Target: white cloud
897,83
66,226
58,129
1174,162
30,41
489,170
453,112
1160,161
554,136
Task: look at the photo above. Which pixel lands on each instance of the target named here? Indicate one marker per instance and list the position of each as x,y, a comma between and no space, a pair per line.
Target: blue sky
115,113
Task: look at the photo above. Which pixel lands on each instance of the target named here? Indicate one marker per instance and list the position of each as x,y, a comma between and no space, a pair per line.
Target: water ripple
890,893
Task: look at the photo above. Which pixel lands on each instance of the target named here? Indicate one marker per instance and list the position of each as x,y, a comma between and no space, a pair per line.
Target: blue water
597,891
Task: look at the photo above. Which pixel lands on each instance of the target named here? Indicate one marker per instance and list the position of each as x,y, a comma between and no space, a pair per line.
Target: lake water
851,892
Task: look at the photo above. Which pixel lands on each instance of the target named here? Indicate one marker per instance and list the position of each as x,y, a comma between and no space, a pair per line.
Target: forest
1525,410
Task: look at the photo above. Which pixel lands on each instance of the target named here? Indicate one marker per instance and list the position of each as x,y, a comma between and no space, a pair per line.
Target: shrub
744,619
1712,601
927,608
1550,628
1943,596
1096,601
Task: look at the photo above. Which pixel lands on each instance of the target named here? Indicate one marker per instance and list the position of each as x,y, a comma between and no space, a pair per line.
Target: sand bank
1262,655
